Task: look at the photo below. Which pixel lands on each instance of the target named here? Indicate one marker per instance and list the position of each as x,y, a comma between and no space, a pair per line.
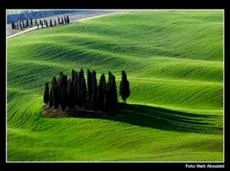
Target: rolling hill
174,62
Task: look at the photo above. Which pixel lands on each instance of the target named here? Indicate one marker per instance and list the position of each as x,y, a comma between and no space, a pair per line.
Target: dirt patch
51,112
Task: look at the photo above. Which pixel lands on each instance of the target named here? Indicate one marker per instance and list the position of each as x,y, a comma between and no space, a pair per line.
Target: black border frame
186,4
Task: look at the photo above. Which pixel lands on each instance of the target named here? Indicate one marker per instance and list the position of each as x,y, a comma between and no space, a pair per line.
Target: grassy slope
174,61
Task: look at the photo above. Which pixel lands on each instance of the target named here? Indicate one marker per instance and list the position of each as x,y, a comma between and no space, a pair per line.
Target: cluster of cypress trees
22,24
76,91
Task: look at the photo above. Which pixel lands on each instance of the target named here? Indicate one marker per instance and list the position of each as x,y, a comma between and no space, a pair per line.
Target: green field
174,62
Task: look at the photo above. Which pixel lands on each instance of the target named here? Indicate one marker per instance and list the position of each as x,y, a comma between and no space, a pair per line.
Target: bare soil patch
75,112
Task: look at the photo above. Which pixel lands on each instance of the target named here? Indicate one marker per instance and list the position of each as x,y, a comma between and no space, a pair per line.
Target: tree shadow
163,119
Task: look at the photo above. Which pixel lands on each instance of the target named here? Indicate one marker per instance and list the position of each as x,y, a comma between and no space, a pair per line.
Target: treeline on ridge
67,93
40,23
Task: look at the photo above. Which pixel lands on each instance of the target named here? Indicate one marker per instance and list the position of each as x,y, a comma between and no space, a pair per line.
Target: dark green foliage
62,87
27,23
114,92
70,94
73,74
51,24
79,88
110,78
64,98
31,22
51,98
75,85
74,91
93,100
89,84
111,94
60,80
54,82
68,21
59,21
55,95
41,23
107,100
12,26
101,92
46,94
21,25
55,23
24,24
36,23
65,19
82,88
46,22
124,87
15,25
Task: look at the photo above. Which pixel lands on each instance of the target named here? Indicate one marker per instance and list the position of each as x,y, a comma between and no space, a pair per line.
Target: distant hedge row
76,91
41,23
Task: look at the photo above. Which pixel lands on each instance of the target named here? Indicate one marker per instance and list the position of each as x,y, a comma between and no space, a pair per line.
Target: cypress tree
60,80
101,91
31,22
110,101
55,93
76,87
46,94
27,23
107,100
58,20
47,25
114,92
41,24
110,77
73,75
12,26
124,87
79,88
24,23
89,84
114,99
21,25
68,21
62,90
36,23
94,91
16,25
70,94
64,97
83,88
60,87
65,19
51,24
51,97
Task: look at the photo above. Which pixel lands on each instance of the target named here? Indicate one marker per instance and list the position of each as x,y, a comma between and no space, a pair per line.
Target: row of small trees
22,24
76,91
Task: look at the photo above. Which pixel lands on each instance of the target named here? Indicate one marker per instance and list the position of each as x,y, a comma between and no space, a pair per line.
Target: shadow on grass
164,119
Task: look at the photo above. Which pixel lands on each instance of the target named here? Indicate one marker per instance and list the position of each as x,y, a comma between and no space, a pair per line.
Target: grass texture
174,62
